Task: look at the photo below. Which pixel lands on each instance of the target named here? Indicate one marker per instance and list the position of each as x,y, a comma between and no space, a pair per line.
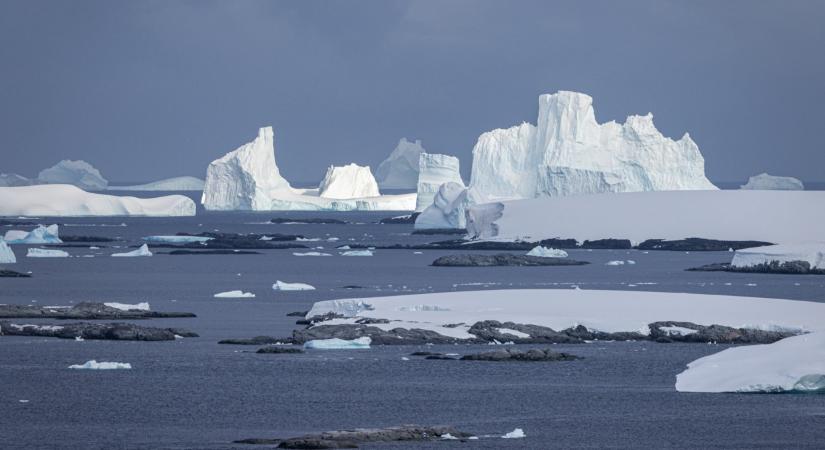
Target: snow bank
176,239
812,252
168,184
350,181
78,173
234,294
44,253
40,235
283,286
793,364
142,251
559,309
357,253
6,253
544,252
67,200
143,306
763,181
447,209
103,365
433,171
338,344
400,169
770,216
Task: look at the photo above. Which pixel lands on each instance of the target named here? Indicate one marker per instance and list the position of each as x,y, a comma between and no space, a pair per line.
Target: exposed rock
236,241
787,267
351,438
279,349
6,273
422,353
678,332
83,311
395,336
502,259
608,244
297,314
433,231
399,220
314,220
511,354
490,331
86,239
698,245
95,331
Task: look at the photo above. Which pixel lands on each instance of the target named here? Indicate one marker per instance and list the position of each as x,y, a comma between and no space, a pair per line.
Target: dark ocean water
194,393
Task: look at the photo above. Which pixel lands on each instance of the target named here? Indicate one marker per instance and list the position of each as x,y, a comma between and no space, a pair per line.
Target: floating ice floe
283,286
143,306
46,253
545,252
794,364
142,251
811,252
311,254
176,239
338,344
51,200
6,253
518,433
357,253
234,294
103,365
763,181
40,235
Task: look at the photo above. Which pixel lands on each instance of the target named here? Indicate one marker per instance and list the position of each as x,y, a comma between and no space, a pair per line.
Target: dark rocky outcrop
511,354
213,252
83,311
608,244
463,244
86,239
95,331
719,334
236,241
315,220
787,267
434,231
698,245
488,331
297,314
400,220
502,259
279,349
6,273
352,438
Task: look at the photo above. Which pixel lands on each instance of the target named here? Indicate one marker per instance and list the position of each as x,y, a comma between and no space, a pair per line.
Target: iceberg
812,252
794,364
6,253
248,179
310,254
350,181
13,179
400,169
175,239
40,235
284,286
338,344
447,209
103,365
518,433
767,216
78,173
763,181
142,251
545,252
168,184
234,294
433,171
142,306
66,200
357,253
568,152
44,253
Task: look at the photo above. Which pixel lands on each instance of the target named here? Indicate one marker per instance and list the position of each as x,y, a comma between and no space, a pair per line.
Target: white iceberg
400,169
794,364
142,306
103,365
311,254
6,253
45,253
350,181
433,171
78,173
518,433
174,239
66,200
143,250
40,235
169,184
568,152
284,286
248,179
812,252
545,252
614,263
763,181
357,253
447,210
234,294
13,179
338,344
768,216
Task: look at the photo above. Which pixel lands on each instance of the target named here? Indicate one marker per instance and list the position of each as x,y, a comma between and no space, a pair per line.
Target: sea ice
311,254
338,344
545,252
103,365
44,253
763,181
142,251
234,294
283,286
518,433
176,239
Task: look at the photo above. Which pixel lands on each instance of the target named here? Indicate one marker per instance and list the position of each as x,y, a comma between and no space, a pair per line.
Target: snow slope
433,171
763,181
350,181
793,364
67,200
168,184
568,152
400,169
811,252
78,173
770,216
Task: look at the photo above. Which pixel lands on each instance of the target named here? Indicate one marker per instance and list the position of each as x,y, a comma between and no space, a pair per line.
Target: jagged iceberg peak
763,181
79,173
400,169
350,181
243,178
433,171
446,210
569,152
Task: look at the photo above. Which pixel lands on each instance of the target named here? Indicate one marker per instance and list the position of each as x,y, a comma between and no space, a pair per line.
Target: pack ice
400,169
78,173
763,181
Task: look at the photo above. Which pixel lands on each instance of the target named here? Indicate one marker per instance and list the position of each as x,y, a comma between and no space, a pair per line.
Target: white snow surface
175,239
346,182
793,364
40,235
602,310
311,254
142,306
400,169
6,253
248,179
433,171
103,365
338,344
34,252
811,252
284,286
66,200
447,209
357,253
545,252
768,216
143,250
78,173
763,181
185,183
234,294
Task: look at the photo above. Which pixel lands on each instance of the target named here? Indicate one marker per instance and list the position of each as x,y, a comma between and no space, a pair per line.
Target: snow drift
67,200
400,169
763,181
78,173
168,184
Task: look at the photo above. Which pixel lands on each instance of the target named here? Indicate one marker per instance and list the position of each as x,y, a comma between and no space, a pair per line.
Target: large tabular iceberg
400,169
67,200
763,181
813,253
168,184
568,152
6,253
248,179
350,181
795,364
79,173
447,210
433,171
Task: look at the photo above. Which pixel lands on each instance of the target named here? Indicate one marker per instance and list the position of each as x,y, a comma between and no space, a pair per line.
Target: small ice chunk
44,253
357,253
143,306
615,263
547,252
284,286
234,294
518,433
103,365
338,344
142,251
6,254
311,254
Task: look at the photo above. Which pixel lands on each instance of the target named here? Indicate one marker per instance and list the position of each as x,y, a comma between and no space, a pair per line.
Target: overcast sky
151,89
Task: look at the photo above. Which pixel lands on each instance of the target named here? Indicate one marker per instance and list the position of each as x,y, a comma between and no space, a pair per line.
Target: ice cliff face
79,173
400,169
433,171
6,254
243,178
447,209
568,152
350,181
763,181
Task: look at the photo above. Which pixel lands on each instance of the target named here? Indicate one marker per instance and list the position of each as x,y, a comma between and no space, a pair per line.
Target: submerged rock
95,331
502,259
6,273
83,311
511,354
352,438
279,349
